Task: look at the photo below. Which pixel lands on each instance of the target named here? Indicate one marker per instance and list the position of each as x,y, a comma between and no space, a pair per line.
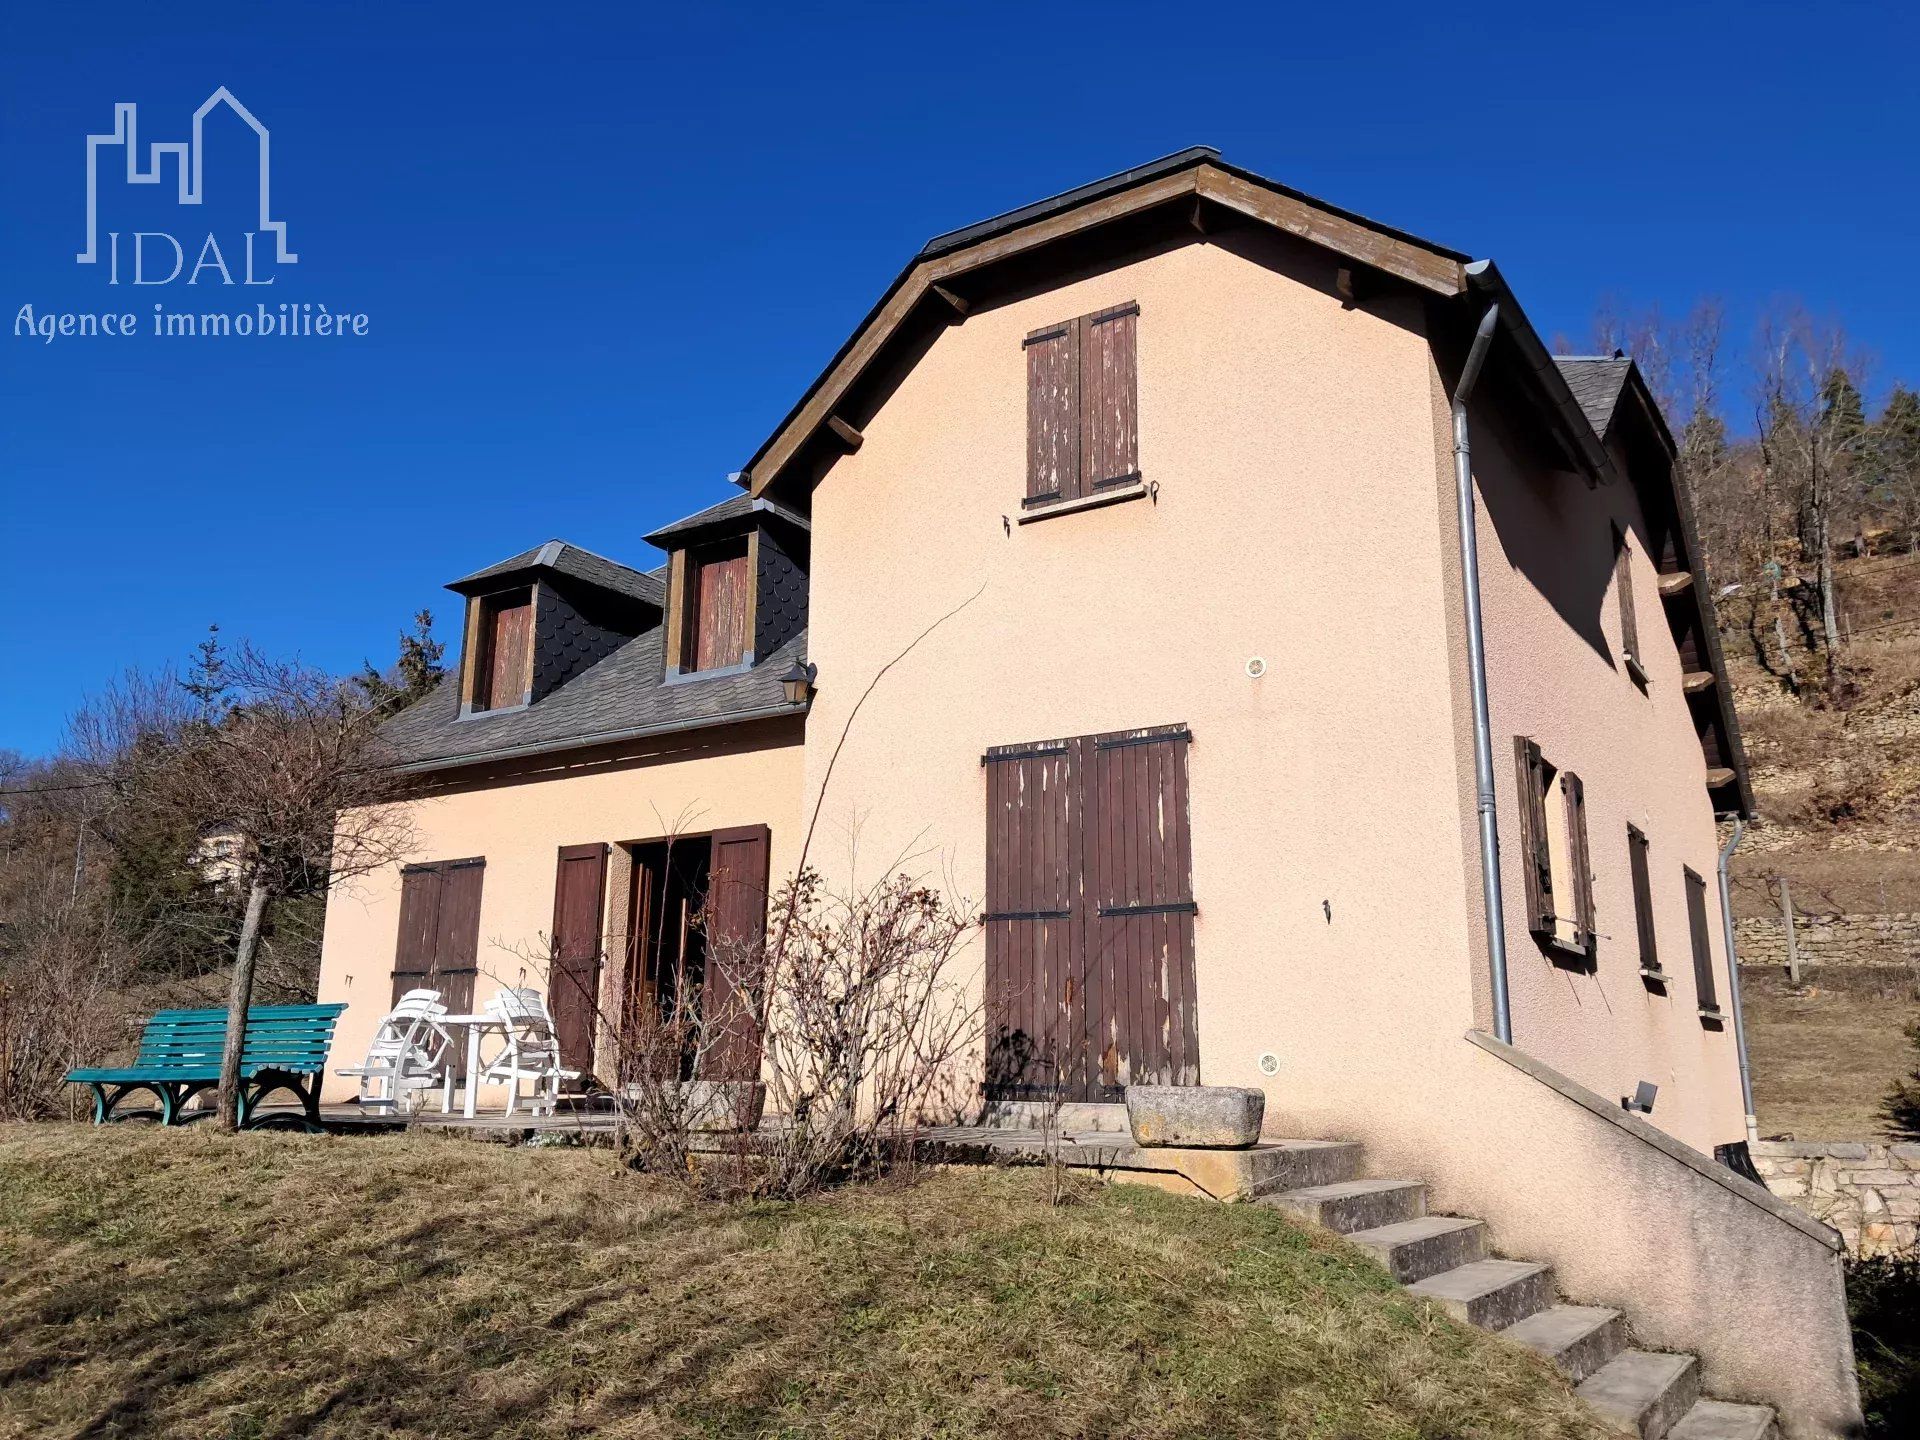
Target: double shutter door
1090,916
439,942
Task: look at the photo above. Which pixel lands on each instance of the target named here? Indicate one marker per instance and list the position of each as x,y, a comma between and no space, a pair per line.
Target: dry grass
1824,1054
184,1283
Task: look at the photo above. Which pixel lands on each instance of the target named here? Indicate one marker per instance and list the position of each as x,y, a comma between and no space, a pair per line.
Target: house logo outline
188,156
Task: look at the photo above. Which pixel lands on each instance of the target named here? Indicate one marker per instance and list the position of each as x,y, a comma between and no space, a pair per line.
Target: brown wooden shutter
1623,584
1642,899
1140,951
508,674
456,950
1036,915
419,923
737,926
1090,916
1536,860
573,980
717,608
1704,989
1053,413
1579,859
1109,398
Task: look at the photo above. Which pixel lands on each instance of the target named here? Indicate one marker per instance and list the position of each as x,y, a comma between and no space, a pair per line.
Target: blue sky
602,249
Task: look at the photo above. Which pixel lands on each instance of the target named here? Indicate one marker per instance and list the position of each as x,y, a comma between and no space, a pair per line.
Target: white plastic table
476,1026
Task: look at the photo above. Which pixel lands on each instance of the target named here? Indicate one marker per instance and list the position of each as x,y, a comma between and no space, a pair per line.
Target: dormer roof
1597,382
557,557
732,516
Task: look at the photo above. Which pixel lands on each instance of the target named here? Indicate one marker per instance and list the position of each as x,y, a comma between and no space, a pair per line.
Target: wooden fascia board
1425,268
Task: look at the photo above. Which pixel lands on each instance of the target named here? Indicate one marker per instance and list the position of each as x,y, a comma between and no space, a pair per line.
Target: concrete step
1577,1338
1275,1165
1414,1249
1354,1204
1643,1392
1078,1118
1489,1294
1718,1420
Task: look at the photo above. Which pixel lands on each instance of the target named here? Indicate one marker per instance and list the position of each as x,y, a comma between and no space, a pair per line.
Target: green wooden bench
285,1048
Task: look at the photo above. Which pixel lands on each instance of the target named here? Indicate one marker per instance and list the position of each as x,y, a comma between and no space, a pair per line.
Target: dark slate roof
1597,382
584,565
720,516
623,695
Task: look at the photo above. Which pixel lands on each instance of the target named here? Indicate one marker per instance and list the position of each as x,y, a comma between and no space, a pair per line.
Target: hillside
189,1284
1838,791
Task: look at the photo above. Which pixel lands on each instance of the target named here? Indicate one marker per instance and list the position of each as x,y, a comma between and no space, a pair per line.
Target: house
1147,493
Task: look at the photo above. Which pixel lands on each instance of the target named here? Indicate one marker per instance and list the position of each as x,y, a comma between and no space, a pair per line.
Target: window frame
1094,431
480,681
1544,862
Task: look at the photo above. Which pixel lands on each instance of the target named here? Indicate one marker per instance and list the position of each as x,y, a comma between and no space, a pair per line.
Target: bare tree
1812,438
281,761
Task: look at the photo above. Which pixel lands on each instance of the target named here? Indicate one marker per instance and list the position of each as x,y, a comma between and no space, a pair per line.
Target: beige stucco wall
1297,520
1305,516
1554,673
684,785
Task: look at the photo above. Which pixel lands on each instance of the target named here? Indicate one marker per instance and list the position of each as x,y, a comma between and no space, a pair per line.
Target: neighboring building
1172,455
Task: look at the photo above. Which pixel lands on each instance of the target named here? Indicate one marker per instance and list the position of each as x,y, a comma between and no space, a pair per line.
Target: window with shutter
716,607
1643,903
1556,860
438,946
1630,656
503,664
1536,859
1705,992
1083,432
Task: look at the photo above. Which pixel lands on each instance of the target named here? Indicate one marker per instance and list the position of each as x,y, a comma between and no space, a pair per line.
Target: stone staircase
1445,1259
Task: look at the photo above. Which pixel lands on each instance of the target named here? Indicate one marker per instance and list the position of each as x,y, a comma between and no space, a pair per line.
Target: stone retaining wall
1867,1190
1892,939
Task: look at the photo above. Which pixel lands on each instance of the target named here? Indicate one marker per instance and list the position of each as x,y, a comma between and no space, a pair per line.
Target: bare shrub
863,1026
63,957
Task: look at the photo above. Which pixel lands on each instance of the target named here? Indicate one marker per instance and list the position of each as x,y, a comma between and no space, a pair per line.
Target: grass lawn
185,1283
1824,1054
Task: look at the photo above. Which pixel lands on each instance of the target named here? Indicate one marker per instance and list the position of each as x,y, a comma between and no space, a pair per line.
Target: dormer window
719,605
537,620
503,664
736,587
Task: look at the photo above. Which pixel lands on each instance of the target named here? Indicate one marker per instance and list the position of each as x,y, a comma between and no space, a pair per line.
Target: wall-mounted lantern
799,681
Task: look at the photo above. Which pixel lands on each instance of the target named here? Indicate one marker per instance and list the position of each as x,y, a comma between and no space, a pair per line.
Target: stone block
1210,1117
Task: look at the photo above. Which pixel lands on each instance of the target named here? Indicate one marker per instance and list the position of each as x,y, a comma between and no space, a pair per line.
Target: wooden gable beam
845,433
1346,237
961,309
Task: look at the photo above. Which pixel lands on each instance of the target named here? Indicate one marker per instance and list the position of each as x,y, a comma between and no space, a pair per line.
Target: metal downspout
1733,979
1477,678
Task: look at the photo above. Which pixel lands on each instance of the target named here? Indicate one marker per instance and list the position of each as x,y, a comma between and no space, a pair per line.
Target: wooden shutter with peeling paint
1109,398
1579,861
1053,413
736,946
1642,900
1704,988
1536,860
573,978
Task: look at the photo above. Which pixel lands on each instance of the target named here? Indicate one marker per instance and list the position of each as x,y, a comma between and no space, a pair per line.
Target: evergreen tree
413,675
1900,1108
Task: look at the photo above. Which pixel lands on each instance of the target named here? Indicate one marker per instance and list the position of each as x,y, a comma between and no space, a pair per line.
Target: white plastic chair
532,1051
410,1052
